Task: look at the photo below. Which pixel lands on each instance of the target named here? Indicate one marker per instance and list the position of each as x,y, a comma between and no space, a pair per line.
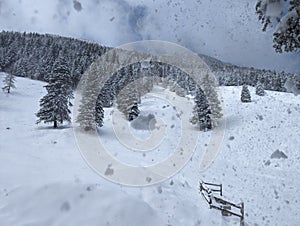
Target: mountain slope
33,55
44,179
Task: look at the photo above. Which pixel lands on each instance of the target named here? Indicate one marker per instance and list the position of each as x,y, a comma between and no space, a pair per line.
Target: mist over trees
33,55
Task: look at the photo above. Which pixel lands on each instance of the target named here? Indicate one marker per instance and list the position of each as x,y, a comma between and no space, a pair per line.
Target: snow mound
58,203
144,122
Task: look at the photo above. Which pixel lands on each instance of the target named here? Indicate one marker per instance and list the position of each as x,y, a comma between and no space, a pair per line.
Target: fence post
221,190
242,212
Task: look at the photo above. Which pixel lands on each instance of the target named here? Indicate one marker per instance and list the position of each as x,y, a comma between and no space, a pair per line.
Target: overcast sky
225,29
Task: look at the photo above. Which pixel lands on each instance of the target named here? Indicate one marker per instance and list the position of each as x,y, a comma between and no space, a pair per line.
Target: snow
45,181
144,122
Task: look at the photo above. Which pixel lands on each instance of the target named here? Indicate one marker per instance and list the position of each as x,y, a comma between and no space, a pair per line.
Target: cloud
228,30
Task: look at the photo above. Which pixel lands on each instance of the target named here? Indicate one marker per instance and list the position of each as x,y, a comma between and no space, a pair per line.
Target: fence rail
208,191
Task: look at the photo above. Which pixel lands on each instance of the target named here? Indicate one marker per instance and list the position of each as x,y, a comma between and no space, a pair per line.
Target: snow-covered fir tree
245,95
129,92
145,85
99,112
286,14
292,84
209,88
9,83
145,81
259,89
201,112
177,89
87,108
127,101
108,94
133,112
55,104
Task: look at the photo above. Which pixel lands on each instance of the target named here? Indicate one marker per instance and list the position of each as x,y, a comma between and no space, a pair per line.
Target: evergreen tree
127,101
201,112
209,87
259,89
128,95
9,83
99,113
245,95
133,112
55,104
88,106
287,15
108,94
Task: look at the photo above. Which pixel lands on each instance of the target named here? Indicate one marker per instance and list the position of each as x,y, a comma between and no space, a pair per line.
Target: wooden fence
208,191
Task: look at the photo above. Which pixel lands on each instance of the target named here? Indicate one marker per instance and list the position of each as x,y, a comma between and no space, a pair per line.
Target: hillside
45,181
33,55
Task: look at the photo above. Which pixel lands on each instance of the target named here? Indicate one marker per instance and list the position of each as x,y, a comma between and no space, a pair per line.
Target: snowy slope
45,181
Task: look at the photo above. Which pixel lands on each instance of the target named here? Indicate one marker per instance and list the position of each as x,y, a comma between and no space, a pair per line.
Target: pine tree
133,112
128,95
201,112
209,86
259,89
127,102
177,89
55,104
245,95
99,112
88,106
9,83
108,94
286,15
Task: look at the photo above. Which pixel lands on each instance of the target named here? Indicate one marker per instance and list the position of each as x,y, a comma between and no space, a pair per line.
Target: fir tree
127,102
108,94
55,104
245,95
259,89
209,87
133,112
286,16
128,95
87,107
99,112
9,83
177,89
201,112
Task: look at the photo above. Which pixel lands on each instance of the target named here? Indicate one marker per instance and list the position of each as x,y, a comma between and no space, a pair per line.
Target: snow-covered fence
227,208
207,190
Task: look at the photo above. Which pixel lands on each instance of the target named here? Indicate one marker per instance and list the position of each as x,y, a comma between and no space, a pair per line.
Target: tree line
33,55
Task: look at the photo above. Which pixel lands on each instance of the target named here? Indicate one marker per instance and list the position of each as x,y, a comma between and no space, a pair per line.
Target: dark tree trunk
55,124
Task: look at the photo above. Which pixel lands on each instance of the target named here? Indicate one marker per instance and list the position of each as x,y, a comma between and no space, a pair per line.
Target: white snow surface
45,181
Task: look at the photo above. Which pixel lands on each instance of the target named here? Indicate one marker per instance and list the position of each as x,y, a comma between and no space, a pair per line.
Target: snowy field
45,181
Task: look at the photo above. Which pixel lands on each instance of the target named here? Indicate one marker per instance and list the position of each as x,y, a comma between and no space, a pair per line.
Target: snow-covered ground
45,181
